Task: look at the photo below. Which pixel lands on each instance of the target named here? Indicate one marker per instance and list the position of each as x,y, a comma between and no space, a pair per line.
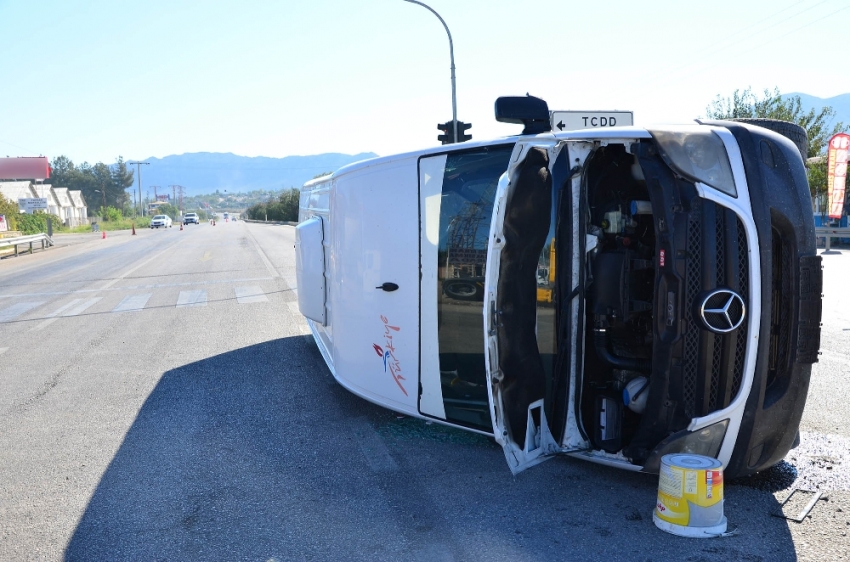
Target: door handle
388,287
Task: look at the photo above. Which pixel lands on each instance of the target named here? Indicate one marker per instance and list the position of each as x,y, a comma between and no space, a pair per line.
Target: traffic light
461,128
448,130
448,136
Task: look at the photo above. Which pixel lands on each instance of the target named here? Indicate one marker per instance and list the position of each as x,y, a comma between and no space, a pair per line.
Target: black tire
463,290
791,131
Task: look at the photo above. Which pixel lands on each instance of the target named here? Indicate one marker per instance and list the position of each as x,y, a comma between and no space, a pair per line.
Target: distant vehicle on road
161,220
191,218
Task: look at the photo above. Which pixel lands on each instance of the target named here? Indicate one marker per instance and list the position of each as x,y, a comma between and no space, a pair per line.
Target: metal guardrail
829,233
46,241
288,223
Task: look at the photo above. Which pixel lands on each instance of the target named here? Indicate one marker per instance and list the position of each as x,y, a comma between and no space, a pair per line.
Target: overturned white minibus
613,294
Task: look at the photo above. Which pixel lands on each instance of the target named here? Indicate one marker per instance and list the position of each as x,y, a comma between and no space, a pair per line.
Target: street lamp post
103,201
452,56
139,173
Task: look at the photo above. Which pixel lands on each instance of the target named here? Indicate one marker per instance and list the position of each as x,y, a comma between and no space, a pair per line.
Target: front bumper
791,285
760,246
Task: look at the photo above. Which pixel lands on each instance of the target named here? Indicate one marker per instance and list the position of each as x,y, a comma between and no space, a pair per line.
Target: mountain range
206,172
840,103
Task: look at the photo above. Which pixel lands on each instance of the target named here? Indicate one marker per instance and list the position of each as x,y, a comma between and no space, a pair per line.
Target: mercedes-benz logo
722,310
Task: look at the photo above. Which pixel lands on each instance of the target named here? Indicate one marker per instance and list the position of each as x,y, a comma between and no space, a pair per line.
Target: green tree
111,214
289,204
99,184
170,210
746,104
10,211
62,171
284,208
122,179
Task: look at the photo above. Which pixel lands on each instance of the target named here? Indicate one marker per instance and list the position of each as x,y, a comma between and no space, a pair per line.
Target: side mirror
529,111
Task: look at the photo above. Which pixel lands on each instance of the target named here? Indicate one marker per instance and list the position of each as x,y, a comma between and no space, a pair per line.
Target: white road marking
263,256
132,303
252,293
63,308
137,287
17,309
73,308
80,308
192,298
268,262
3,350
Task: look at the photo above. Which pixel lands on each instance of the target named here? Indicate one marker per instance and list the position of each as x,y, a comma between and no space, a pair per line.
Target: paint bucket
690,496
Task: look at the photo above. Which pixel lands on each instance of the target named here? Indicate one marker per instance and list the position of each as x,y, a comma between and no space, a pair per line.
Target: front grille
781,305
717,256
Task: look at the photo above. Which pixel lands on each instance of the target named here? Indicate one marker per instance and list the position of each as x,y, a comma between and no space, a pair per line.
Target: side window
466,206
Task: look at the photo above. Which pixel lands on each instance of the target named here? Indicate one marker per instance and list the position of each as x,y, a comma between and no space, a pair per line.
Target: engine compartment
620,286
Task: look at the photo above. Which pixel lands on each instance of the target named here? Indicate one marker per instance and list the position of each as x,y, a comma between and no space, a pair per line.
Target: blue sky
97,79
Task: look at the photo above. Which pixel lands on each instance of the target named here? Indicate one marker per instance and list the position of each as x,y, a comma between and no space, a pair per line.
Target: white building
66,206
14,190
80,209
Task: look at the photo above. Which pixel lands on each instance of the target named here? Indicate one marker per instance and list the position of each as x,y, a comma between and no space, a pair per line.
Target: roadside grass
123,224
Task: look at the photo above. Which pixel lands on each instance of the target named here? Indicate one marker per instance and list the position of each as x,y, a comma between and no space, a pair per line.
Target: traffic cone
103,236
134,229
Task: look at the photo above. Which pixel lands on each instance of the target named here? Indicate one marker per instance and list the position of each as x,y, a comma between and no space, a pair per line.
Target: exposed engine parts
621,284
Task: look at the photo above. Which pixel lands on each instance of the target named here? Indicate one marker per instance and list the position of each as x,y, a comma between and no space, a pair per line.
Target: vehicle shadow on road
258,454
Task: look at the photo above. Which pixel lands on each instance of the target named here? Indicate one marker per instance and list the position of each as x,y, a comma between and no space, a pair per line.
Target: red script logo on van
391,364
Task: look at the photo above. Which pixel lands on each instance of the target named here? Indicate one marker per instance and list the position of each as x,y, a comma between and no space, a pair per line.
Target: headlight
705,441
698,155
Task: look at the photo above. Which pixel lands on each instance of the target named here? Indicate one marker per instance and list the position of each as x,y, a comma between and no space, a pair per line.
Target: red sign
836,173
27,168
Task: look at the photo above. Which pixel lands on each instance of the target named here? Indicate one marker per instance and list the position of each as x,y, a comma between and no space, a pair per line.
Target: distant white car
161,220
191,218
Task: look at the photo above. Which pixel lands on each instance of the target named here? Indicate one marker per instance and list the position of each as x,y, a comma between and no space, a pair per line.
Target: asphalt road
159,400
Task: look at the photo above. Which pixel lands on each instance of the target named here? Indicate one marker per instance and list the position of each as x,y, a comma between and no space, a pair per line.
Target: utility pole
179,196
139,173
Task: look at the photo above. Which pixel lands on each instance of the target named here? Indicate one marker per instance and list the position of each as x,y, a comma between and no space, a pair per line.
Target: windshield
466,206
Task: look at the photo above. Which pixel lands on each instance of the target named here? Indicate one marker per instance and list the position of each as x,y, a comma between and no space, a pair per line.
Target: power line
715,48
666,77
21,147
754,47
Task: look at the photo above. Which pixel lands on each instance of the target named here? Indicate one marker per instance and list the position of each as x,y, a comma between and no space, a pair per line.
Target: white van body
406,278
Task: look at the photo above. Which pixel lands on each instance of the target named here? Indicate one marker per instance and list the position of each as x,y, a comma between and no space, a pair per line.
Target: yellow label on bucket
691,496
